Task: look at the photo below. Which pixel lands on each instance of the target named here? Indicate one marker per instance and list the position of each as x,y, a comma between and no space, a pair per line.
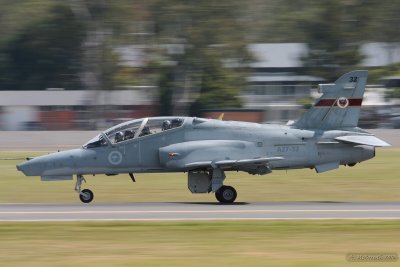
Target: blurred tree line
71,44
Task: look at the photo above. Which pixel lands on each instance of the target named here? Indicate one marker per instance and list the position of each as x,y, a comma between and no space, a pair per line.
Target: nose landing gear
85,195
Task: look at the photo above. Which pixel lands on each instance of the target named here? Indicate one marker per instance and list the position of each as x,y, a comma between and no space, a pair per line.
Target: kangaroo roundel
342,102
115,157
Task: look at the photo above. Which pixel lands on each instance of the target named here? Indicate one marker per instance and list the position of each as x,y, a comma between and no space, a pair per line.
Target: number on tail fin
353,79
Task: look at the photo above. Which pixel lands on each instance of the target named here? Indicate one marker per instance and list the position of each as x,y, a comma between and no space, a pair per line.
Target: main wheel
218,196
86,196
226,194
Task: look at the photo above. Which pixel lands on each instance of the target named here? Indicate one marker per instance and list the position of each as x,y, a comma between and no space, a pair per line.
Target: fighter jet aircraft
325,137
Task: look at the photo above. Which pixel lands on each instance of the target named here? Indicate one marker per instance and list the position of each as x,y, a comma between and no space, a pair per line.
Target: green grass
269,243
374,180
222,243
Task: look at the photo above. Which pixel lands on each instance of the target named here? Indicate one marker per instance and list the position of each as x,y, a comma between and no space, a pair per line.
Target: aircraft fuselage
209,140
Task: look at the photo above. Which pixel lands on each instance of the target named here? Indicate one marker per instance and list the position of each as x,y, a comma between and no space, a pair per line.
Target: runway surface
199,211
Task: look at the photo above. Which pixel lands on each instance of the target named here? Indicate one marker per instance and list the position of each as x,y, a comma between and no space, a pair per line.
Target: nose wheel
85,195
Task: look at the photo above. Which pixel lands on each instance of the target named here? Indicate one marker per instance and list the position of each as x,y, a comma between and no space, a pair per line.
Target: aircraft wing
368,140
230,163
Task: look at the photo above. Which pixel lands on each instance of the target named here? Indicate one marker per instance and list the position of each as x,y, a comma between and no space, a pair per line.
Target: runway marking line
192,211
202,219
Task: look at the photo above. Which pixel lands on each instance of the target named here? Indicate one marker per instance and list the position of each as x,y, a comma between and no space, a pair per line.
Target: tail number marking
353,79
286,149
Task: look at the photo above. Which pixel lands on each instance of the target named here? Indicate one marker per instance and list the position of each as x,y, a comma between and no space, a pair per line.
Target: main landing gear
211,181
223,193
226,194
85,195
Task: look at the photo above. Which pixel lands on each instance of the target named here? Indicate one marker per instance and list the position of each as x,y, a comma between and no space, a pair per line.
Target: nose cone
60,163
33,167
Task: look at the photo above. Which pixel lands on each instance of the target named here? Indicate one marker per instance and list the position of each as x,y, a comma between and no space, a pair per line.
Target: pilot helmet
128,134
146,130
119,137
166,125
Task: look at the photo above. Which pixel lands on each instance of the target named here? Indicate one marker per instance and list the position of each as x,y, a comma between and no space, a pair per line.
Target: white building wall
14,117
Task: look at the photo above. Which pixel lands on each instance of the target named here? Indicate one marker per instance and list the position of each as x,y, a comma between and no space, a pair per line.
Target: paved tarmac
199,211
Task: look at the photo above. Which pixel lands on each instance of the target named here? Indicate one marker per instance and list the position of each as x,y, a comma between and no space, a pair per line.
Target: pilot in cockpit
129,134
166,125
145,131
119,137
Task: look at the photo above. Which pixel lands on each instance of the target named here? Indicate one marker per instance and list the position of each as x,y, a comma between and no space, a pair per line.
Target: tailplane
339,105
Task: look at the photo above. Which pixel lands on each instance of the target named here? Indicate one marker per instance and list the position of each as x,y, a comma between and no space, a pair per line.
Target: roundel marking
115,157
343,102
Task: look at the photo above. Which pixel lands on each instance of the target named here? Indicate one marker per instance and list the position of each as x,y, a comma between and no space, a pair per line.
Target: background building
69,110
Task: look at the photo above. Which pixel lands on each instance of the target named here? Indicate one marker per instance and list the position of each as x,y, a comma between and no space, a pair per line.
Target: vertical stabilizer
339,105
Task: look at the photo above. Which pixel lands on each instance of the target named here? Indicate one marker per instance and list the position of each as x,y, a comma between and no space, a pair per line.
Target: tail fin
339,105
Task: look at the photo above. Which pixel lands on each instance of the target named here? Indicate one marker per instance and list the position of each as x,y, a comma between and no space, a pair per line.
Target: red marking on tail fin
332,102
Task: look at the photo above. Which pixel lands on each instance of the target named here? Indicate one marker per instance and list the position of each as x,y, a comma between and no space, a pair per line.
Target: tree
104,21
333,48
384,26
219,88
45,54
166,88
210,33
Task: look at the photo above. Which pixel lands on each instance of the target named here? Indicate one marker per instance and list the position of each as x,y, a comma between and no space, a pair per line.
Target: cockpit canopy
135,129
96,141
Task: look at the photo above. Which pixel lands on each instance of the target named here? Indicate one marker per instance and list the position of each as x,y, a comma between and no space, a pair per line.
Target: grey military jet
325,137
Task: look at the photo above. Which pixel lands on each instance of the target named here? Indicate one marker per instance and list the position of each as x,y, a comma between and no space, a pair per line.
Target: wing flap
56,177
230,163
258,160
198,164
368,140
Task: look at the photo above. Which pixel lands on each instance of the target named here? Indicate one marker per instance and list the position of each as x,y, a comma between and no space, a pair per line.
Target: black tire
218,196
226,194
86,196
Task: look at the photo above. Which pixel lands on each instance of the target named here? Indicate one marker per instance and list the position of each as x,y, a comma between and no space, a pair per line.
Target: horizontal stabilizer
368,140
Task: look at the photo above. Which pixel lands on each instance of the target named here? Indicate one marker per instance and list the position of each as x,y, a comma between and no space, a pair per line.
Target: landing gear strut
85,195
